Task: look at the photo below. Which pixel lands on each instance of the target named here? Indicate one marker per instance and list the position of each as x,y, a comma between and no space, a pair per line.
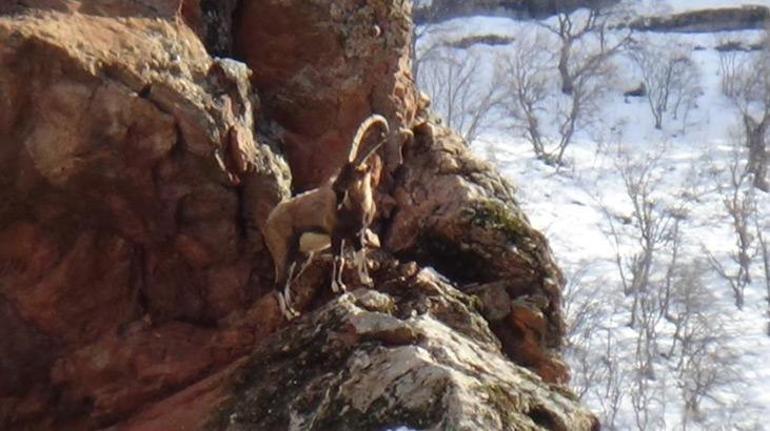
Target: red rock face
323,66
123,237
113,8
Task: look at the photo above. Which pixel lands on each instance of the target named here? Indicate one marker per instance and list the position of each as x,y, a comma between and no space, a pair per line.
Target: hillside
622,182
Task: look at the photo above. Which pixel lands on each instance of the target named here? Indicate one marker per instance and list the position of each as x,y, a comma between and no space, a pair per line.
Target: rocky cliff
142,146
747,17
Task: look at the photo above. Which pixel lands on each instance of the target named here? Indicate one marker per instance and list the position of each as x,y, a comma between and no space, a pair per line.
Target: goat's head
357,170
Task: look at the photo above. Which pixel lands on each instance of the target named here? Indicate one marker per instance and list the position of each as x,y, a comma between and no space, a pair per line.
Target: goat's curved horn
370,153
363,129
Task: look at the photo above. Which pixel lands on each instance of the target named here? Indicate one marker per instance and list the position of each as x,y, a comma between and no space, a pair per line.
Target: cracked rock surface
458,215
418,355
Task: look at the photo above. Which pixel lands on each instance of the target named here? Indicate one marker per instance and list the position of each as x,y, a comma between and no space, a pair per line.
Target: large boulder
211,20
417,354
321,67
125,150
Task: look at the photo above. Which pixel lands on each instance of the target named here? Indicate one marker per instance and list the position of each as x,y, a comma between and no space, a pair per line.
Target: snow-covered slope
585,210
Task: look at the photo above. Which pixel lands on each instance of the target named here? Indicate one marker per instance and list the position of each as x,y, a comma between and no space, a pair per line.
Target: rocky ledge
416,353
747,17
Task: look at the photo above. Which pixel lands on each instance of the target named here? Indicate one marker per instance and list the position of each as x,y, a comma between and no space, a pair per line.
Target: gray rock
432,363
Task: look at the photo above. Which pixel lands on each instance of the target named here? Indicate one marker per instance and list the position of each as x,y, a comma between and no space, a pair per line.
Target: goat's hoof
286,310
338,287
366,280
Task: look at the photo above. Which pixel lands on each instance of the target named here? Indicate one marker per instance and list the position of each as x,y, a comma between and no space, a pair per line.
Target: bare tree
569,32
452,78
524,74
596,367
614,391
750,94
671,79
764,252
646,402
581,106
584,45
668,297
427,37
739,203
699,343
652,225
731,62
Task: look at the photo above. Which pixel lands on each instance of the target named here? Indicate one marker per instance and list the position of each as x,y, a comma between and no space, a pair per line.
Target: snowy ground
574,207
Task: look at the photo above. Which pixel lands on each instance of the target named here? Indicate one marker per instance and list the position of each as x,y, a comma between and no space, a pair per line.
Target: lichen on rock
349,366
457,214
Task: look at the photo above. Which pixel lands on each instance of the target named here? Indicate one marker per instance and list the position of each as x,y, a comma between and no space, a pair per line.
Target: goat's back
315,210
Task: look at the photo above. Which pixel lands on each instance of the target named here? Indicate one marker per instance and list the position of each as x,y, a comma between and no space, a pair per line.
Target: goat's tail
363,129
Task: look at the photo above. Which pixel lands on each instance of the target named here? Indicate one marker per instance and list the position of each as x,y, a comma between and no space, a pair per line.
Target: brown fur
320,209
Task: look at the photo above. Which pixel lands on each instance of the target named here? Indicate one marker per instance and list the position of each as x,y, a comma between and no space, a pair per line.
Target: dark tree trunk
758,157
566,79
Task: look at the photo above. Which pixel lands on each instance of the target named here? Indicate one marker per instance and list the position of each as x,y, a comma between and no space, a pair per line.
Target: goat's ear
362,132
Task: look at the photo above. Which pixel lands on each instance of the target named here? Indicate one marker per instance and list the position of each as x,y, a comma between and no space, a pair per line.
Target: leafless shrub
653,226
699,342
596,366
740,205
646,401
750,93
731,63
524,74
670,77
453,80
763,243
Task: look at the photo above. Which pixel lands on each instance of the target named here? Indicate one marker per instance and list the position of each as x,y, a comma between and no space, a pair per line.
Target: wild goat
339,210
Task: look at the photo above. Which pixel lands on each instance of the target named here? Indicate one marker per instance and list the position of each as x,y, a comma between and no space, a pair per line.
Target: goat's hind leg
284,299
361,263
286,311
338,267
363,269
305,265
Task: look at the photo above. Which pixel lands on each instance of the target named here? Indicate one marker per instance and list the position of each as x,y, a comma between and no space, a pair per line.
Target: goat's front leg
337,269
